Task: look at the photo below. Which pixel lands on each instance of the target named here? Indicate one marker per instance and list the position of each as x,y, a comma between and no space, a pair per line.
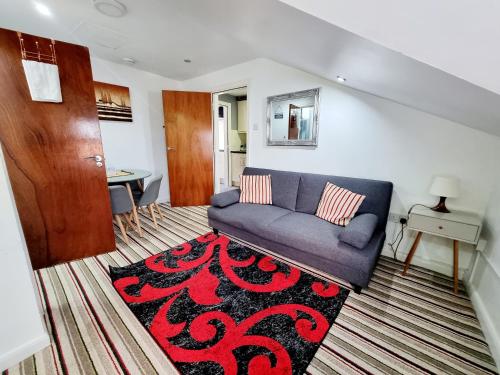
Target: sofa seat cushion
251,217
313,235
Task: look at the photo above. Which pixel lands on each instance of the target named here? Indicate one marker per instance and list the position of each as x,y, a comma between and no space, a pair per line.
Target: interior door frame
227,159
221,90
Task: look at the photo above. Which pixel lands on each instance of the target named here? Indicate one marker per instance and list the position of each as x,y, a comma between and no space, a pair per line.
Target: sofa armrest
359,231
226,198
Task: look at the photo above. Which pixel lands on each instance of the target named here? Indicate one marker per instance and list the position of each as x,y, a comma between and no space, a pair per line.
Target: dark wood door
61,194
188,131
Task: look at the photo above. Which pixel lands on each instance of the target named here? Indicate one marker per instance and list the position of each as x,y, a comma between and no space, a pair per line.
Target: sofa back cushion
378,194
284,186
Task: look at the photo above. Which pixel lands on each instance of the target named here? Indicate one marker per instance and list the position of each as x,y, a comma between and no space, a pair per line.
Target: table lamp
444,187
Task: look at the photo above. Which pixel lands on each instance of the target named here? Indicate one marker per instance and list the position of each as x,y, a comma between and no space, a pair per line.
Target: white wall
362,135
484,283
22,331
140,144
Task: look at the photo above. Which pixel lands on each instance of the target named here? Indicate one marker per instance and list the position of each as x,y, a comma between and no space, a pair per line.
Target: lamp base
441,206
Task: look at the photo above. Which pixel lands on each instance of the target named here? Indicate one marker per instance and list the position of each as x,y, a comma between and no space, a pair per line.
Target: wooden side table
458,226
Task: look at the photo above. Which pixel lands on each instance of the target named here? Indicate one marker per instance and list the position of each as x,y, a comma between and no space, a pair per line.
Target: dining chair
121,205
137,188
149,197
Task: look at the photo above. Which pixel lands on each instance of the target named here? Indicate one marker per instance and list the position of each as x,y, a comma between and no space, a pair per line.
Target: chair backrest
150,195
120,199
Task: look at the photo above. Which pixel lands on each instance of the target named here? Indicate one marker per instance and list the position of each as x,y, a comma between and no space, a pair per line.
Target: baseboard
22,352
486,320
485,317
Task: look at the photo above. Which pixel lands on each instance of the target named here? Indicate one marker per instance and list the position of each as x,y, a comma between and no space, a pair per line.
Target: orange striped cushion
256,189
338,205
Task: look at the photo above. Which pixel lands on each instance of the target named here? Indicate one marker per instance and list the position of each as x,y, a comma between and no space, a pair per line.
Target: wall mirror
292,119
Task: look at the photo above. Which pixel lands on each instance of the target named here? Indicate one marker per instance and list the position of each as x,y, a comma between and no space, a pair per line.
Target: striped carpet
409,325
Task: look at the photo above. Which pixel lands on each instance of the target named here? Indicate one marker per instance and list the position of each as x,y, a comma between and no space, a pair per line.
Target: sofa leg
356,288
216,231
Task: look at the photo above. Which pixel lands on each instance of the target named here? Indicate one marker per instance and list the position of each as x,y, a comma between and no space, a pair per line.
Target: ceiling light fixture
110,8
187,61
43,9
341,79
129,60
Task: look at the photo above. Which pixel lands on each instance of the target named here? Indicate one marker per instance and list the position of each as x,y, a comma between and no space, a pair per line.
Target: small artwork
113,102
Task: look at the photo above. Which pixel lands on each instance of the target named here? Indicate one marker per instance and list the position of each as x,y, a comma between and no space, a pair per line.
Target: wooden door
188,132
61,194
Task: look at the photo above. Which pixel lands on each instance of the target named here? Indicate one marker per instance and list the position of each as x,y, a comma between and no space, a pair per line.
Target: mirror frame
294,95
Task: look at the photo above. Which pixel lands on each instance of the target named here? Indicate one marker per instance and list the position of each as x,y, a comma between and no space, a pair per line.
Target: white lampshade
445,187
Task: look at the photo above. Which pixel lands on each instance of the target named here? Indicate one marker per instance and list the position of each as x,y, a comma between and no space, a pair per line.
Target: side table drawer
446,228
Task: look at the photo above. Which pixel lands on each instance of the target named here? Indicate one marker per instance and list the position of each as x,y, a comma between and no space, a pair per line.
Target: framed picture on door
113,102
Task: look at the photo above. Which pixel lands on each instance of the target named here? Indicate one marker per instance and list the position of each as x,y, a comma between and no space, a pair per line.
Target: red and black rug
217,307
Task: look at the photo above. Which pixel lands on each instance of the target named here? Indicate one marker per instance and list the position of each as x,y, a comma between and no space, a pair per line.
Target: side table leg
411,253
455,266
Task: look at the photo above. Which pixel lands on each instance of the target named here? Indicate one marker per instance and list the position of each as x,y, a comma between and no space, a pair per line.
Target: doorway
230,125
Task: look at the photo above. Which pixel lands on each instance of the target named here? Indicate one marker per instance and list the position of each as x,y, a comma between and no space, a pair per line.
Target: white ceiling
159,34
460,37
216,34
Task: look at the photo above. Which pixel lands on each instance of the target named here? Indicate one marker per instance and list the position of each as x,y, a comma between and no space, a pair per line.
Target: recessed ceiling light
110,8
187,61
43,9
129,60
341,79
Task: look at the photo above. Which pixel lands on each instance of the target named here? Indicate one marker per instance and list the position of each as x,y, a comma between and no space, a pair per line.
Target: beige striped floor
408,325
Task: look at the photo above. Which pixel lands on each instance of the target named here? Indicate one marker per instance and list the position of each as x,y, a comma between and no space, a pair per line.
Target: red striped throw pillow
338,205
256,189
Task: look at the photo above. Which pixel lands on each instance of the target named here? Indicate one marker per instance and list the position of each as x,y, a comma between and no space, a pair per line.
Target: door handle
170,148
98,160
95,157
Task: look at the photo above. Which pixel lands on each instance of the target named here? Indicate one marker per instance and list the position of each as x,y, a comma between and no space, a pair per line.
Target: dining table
125,177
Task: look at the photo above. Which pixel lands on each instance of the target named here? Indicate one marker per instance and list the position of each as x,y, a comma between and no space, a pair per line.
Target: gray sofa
290,228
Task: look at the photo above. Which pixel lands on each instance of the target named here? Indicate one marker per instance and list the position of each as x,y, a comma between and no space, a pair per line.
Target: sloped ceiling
460,37
216,34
